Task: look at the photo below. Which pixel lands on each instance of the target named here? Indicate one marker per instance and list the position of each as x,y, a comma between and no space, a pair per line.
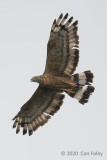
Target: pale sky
24,32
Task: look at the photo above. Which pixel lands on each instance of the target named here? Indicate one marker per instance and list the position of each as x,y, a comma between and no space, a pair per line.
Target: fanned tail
82,94
84,90
84,78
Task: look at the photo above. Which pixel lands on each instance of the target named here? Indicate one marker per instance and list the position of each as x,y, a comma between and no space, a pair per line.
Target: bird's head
36,79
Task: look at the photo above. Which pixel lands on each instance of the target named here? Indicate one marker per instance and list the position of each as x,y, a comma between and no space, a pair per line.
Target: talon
69,90
73,84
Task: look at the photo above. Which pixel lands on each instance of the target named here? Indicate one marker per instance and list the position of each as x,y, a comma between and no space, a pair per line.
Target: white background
24,32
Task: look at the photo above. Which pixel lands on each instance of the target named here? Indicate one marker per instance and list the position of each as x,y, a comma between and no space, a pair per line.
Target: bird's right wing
36,112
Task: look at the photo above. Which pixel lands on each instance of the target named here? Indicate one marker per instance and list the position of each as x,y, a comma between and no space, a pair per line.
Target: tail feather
82,94
84,78
86,94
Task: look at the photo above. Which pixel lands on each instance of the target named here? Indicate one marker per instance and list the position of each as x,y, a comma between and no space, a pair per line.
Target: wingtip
66,16
24,132
70,20
30,132
75,23
54,22
13,118
61,15
17,131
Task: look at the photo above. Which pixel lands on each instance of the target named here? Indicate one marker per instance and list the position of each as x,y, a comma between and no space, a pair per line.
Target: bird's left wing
36,112
62,49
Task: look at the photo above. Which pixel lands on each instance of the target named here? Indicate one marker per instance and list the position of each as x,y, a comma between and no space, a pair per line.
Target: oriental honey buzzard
58,77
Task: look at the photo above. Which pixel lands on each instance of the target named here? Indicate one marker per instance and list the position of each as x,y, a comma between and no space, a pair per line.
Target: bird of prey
58,78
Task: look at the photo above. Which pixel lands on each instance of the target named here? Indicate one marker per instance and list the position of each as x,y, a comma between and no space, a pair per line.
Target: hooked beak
33,79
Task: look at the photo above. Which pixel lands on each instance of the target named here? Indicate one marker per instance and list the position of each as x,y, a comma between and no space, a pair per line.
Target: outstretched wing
62,52
36,112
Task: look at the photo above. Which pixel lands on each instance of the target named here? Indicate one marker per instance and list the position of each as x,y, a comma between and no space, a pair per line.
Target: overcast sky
24,33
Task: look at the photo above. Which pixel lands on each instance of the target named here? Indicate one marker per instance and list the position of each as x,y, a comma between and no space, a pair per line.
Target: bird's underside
58,78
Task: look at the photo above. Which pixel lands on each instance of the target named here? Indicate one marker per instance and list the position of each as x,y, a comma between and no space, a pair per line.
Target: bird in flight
58,78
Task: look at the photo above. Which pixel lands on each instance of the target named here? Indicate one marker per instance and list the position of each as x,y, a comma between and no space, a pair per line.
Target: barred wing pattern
62,60
38,110
62,48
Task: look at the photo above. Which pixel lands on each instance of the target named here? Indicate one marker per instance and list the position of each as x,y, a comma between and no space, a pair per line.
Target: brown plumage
62,60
